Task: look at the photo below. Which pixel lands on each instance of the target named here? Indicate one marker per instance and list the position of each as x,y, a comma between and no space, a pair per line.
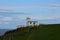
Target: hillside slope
45,32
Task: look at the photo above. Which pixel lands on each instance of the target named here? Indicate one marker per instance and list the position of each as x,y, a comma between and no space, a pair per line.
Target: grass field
0,38
45,32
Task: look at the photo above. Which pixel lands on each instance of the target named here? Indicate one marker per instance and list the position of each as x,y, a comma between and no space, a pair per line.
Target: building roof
32,21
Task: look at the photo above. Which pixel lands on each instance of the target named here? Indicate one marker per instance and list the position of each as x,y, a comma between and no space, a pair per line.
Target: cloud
7,23
5,10
5,20
36,17
4,23
28,6
17,18
43,17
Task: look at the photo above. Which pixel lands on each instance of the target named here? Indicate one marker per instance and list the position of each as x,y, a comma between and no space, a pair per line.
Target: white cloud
7,23
37,17
1,22
6,18
27,7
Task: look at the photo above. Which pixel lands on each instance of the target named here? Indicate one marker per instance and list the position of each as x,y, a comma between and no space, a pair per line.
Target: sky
14,12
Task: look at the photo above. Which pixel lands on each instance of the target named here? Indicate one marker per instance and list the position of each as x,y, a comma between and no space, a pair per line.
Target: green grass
46,32
0,38
22,36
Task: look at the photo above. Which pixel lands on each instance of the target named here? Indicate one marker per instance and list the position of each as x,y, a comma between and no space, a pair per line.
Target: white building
30,22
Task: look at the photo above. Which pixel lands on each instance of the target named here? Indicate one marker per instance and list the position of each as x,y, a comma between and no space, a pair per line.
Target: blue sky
14,12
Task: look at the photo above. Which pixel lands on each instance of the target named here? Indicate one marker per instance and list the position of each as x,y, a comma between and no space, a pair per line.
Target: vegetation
43,32
0,38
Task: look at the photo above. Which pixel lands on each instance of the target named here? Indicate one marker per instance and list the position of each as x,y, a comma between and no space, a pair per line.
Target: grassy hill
0,38
44,32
